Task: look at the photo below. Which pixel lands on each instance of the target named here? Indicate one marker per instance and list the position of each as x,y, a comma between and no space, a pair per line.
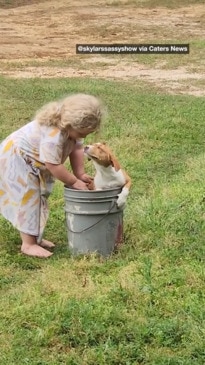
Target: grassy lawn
139,3
154,3
145,304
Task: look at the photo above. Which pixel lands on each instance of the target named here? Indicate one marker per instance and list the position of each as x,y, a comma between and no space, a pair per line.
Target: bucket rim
91,191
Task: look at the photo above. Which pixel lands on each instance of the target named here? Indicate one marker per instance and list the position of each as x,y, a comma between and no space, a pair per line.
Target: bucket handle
93,225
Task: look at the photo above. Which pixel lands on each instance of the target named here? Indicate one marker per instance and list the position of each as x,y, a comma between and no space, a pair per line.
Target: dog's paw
121,200
122,197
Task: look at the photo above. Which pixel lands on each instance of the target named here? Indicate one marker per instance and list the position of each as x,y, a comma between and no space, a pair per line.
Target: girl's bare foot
35,250
46,244
30,246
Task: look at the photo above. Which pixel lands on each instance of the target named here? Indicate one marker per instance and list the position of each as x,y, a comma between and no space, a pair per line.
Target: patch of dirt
49,30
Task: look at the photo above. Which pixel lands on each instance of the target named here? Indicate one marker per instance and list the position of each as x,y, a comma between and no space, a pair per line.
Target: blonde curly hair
77,111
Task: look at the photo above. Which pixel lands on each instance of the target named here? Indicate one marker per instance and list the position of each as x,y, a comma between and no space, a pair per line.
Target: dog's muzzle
86,148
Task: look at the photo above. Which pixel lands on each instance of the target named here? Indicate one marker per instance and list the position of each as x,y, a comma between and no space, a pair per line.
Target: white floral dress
25,183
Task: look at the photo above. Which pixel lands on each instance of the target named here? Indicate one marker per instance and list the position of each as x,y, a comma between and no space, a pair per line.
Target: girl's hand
79,185
86,178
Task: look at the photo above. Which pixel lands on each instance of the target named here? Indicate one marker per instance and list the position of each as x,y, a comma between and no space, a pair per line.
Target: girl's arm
61,173
77,164
77,161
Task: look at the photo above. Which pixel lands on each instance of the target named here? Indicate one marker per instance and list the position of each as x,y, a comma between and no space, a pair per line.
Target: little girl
33,156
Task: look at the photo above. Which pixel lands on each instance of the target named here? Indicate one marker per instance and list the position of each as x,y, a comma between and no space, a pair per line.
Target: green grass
144,304
173,4
143,3
7,4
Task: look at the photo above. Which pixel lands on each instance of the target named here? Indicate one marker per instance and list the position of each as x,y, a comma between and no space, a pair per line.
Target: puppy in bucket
109,174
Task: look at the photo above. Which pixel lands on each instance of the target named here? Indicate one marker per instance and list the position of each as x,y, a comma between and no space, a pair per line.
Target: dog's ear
114,163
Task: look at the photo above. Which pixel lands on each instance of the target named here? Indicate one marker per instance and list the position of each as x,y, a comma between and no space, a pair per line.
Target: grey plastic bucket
94,222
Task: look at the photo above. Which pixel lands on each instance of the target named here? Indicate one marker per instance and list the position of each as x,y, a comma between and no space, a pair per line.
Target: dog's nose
86,148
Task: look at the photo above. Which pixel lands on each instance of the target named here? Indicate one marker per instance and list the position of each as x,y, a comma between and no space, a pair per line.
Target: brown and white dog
108,171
